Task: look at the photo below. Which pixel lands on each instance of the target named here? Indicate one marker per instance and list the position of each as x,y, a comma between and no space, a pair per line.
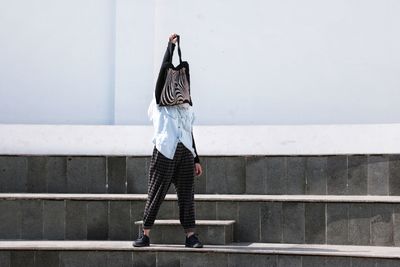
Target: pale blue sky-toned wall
252,62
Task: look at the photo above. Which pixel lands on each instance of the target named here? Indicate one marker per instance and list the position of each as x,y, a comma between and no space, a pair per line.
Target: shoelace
194,236
141,234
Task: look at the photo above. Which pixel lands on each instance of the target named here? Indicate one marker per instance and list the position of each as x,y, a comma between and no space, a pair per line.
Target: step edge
205,197
198,222
269,248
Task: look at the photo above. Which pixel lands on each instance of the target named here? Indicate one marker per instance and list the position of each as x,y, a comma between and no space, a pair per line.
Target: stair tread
252,248
207,197
198,222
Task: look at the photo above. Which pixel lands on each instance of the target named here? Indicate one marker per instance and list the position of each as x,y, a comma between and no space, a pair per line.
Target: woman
175,159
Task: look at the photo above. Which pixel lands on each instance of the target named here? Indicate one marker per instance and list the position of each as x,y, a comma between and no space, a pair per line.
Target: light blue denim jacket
171,125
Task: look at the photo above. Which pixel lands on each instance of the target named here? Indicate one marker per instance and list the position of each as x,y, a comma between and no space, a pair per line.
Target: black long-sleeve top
167,62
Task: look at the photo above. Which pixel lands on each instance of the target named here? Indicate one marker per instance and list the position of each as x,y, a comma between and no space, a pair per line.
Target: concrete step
344,220
206,197
213,232
363,174
122,253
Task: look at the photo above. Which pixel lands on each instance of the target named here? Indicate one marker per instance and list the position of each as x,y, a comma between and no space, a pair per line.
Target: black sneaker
142,241
193,242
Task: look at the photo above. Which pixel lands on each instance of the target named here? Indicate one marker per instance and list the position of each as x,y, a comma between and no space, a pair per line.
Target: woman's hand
197,169
173,38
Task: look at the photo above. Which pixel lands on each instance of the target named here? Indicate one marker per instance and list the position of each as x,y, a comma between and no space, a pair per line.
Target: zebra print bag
176,89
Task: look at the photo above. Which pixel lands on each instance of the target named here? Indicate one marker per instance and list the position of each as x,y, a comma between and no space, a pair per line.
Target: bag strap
179,49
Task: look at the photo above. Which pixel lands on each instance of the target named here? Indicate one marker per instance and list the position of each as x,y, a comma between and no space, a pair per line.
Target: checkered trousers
164,171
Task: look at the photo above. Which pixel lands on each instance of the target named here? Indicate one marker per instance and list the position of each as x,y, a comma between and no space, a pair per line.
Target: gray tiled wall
336,174
280,222
179,259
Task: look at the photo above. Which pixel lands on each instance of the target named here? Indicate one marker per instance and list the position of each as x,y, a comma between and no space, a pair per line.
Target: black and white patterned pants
164,171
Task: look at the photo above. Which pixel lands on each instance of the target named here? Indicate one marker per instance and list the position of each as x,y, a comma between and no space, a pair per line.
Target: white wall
214,140
56,61
252,62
